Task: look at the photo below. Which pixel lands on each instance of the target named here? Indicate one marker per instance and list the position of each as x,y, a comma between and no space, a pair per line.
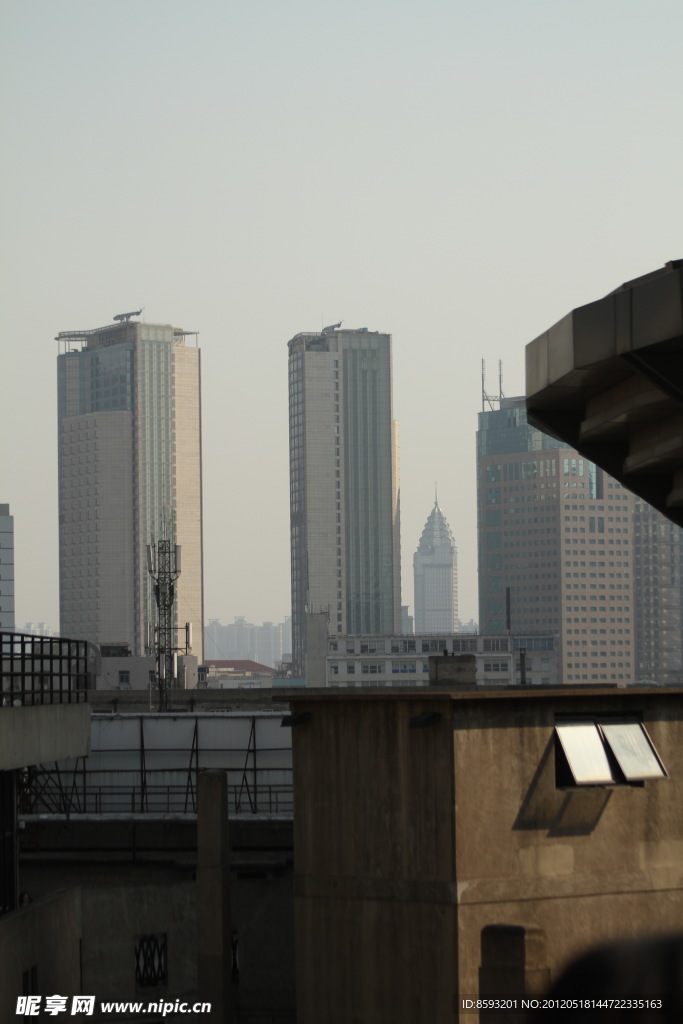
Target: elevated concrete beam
608,379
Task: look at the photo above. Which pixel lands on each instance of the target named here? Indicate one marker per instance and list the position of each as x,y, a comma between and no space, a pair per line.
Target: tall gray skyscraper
344,504
435,572
130,473
6,569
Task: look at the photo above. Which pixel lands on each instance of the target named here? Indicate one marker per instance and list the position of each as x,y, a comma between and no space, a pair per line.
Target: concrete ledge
45,732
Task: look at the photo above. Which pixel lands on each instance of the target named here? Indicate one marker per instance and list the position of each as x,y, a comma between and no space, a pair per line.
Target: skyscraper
129,475
556,532
6,569
658,584
344,497
435,572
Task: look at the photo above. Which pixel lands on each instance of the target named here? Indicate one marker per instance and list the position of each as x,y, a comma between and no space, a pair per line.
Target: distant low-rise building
404,660
225,674
121,671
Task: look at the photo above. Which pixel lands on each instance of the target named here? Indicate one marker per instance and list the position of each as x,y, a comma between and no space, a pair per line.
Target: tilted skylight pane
632,748
585,753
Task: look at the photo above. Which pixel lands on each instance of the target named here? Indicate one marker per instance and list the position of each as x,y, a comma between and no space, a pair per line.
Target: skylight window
605,752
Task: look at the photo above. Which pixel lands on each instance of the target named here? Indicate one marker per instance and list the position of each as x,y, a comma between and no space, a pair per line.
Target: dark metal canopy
608,380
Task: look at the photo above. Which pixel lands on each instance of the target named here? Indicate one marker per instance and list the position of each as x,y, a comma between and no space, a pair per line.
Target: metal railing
46,791
44,670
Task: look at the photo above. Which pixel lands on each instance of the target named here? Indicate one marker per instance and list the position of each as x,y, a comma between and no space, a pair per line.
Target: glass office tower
556,541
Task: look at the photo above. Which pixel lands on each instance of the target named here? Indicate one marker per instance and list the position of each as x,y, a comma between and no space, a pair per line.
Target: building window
604,752
496,644
124,678
151,961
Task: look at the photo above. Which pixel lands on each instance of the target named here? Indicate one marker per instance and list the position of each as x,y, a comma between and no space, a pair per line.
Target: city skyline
469,174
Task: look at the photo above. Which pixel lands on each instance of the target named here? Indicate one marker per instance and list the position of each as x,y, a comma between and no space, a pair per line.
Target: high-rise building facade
344,497
435,573
130,474
6,569
658,586
556,542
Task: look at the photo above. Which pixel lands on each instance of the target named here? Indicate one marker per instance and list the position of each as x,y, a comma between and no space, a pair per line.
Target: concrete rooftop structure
465,843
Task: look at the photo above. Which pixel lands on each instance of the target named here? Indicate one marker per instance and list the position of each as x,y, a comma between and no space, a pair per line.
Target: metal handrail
276,798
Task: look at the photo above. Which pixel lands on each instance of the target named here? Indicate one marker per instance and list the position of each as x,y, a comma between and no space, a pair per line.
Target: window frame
598,755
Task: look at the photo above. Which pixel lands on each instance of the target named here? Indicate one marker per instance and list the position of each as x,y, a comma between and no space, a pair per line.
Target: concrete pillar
214,952
513,964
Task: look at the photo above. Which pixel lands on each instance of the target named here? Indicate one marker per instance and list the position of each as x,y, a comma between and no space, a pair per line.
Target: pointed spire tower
435,570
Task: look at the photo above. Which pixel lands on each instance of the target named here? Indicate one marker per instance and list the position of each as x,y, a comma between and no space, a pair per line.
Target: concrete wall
46,732
41,944
413,846
114,916
581,865
138,878
374,863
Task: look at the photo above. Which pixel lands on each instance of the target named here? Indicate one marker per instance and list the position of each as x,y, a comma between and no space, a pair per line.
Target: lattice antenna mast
163,563
487,399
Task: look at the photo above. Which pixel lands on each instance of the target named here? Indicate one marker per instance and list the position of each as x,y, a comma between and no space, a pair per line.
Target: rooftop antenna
486,398
436,494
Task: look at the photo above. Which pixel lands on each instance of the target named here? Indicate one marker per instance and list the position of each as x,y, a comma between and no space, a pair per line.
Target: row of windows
596,676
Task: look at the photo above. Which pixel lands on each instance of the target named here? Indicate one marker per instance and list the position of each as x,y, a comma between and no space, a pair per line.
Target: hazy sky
458,174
